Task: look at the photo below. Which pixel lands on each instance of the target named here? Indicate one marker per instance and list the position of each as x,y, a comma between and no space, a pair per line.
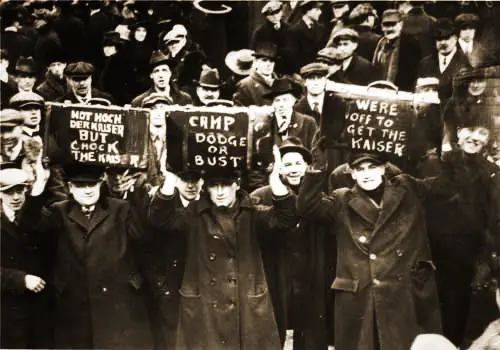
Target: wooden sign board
209,137
108,136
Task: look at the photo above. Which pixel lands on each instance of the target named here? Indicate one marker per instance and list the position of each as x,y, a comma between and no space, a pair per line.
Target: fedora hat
284,86
26,66
294,144
240,62
266,49
443,29
159,58
209,78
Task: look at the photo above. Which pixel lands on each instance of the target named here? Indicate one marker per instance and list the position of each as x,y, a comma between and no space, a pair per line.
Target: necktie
87,211
444,63
16,218
316,111
159,146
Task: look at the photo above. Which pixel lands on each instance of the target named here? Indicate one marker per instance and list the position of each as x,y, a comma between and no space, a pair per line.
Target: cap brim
302,150
367,158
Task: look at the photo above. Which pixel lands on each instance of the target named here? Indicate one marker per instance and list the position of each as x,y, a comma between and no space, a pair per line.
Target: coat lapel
363,207
390,201
75,214
98,216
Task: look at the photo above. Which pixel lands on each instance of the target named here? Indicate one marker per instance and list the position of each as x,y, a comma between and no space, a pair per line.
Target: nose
219,190
16,196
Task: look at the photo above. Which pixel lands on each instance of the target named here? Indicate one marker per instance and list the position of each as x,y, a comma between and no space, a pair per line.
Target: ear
353,175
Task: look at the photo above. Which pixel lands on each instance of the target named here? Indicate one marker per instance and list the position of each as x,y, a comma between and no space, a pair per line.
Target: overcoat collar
100,213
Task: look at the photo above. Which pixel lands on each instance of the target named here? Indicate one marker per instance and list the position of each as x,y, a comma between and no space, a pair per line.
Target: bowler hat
467,20
443,29
240,62
12,177
266,49
284,86
23,99
315,68
294,144
26,66
271,8
79,70
209,78
158,58
10,118
357,157
391,16
155,98
80,172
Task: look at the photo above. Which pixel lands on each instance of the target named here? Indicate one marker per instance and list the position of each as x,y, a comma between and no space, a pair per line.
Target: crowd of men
333,246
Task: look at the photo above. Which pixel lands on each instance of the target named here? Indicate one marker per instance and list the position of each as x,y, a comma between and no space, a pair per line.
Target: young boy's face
368,175
473,139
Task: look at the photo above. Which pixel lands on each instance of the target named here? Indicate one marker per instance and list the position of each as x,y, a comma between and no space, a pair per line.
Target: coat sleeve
35,218
280,216
165,215
312,204
242,96
13,280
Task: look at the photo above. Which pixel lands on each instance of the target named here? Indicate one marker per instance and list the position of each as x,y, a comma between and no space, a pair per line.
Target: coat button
213,281
376,282
167,292
399,252
373,257
214,304
104,289
212,257
215,237
362,239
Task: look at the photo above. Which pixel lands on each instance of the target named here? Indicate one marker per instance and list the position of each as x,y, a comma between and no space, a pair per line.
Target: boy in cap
11,134
224,276
26,317
102,305
385,273
79,79
25,73
31,107
161,76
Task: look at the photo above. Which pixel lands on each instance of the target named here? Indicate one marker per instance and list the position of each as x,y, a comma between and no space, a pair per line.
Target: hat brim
38,104
367,158
9,186
231,61
298,149
261,55
208,86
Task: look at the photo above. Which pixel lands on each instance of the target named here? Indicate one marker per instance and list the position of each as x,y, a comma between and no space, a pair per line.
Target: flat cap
357,157
391,16
79,70
345,33
427,81
24,99
12,177
466,20
10,118
315,68
327,55
272,7
155,98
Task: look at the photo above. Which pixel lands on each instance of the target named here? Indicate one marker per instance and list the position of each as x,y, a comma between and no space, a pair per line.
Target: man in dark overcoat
385,292
98,289
25,300
225,302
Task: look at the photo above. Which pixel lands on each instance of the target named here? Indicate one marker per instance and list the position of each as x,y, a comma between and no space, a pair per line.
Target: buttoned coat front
99,301
385,290
225,303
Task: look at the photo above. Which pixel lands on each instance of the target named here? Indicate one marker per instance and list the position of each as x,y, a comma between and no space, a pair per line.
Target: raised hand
34,283
277,186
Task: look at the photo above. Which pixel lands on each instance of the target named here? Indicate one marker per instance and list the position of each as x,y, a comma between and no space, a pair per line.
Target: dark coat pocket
345,285
422,271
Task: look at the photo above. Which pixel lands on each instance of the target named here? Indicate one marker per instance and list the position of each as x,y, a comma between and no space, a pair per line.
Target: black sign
113,137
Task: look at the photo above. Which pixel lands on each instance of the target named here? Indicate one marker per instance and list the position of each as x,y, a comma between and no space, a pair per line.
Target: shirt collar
185,202
316,99
30,131
346,63
84,99
450,55
161,132
9,213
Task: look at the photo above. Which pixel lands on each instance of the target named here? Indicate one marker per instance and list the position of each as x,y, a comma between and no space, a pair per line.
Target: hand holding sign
277,186
170,183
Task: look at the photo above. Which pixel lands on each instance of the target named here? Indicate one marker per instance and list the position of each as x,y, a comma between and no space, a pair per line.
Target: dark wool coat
302,267
51,89
178,97
367,42
359,72
385,291
419,24
99,301
25,318
250,91
225,303
303,43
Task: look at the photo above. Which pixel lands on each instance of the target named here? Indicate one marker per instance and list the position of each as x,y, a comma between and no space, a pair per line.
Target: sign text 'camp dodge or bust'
110,137
378,126
217,140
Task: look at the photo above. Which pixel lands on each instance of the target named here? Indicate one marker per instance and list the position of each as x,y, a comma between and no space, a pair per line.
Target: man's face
32,115
25,82
264,65
346,48
4,64
368,176
80,86
477,86
206,94
157,115
161,76
315,84
189,189
293,168
57,69
315,13
109,50
446,45
14,197
85,193
140,34
275,18
223,194
283,105
467,34
472,140
339,11
10,139
392,29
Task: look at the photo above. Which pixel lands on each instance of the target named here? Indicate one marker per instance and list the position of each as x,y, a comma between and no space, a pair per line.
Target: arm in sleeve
312,204
280,216
164,215
13,280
